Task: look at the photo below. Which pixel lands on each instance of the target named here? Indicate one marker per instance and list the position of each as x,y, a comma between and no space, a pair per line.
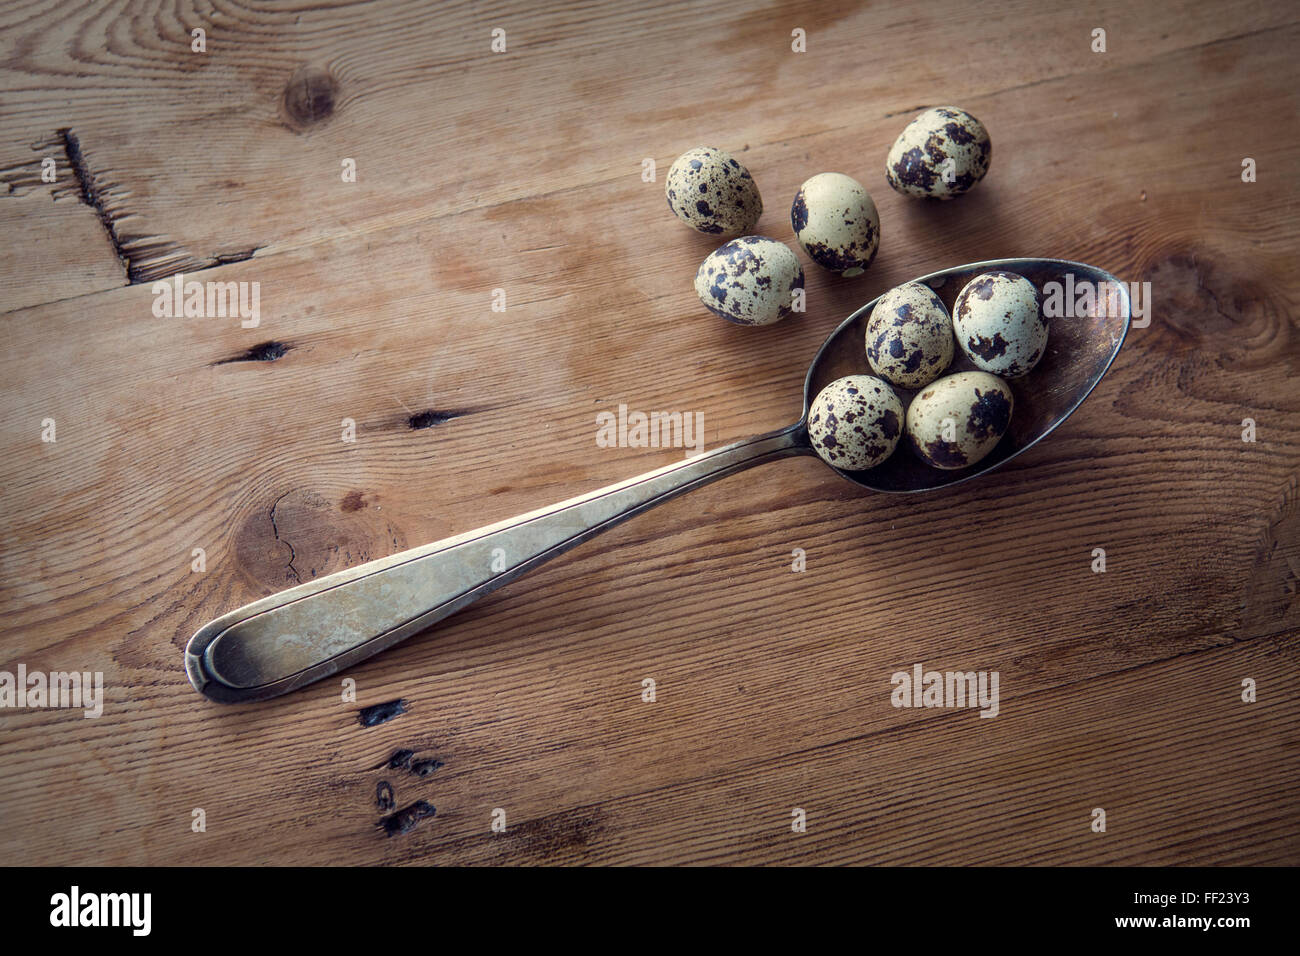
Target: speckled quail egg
711,191
855,422
959,419
941,154
999,323
750,280
836,222
909,336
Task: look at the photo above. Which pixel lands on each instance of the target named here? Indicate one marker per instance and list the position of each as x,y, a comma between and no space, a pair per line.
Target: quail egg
855,422
999,323
909,336
750,280
712,192
959,419
836,222
939,155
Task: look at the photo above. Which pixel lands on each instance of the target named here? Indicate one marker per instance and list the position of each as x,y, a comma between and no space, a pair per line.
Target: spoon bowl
290,639
1079,351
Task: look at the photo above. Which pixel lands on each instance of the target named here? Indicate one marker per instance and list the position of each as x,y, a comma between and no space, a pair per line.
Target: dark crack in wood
266,352
408,818
378,714
146,258
92,194
431,417
276,531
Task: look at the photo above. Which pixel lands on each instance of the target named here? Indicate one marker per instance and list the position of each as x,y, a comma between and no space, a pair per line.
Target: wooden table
522,171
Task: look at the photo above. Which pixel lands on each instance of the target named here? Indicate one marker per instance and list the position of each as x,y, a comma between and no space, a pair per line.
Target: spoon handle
290,639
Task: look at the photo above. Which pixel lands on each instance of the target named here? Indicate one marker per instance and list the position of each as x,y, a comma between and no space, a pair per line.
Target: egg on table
939,155
836,222
855,422
999,323
712,192
750,280
909,336
959,419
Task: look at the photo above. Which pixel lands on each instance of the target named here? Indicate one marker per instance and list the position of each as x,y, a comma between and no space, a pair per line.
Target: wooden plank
222,162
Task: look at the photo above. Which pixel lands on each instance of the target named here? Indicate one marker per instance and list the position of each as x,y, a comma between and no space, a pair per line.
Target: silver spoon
286,640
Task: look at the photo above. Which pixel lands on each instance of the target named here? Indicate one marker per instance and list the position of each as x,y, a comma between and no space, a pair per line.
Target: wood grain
521,171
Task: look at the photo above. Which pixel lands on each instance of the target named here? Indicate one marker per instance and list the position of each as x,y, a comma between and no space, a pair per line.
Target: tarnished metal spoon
286,640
